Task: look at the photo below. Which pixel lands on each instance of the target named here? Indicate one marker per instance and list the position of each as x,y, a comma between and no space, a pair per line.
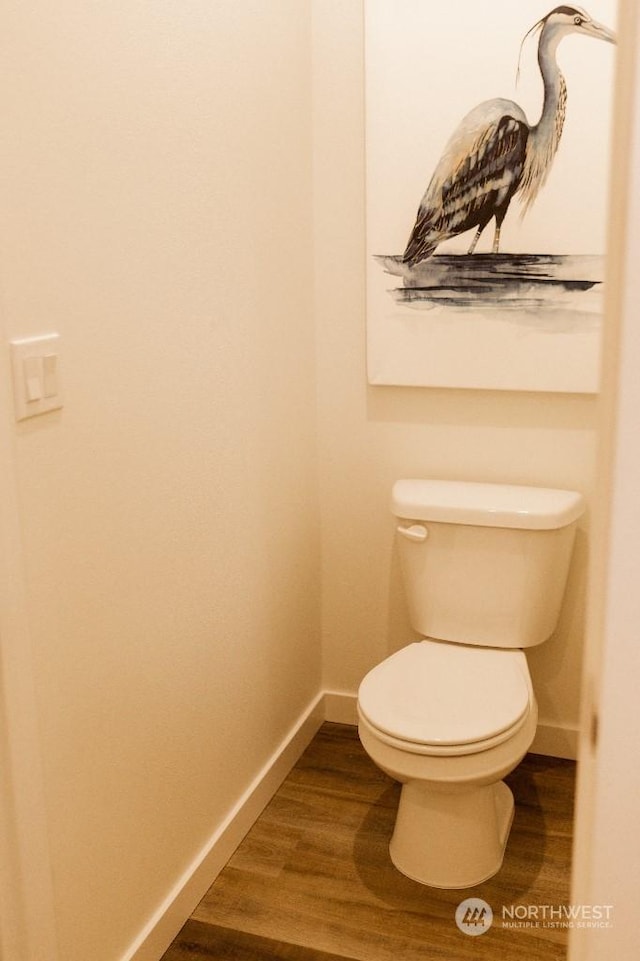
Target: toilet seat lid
433,692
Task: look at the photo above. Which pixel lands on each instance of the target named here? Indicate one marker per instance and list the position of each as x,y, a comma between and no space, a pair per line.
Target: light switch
33,379
36,387
50,375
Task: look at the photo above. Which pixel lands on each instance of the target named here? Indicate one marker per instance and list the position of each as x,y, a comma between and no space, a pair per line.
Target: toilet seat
439,698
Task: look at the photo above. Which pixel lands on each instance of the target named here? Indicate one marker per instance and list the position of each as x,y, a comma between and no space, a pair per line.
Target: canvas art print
487,137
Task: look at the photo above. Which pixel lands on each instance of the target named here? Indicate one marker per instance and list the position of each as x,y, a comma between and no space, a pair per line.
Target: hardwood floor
312,881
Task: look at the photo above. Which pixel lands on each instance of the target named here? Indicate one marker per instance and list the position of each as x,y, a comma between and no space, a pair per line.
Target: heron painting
499,274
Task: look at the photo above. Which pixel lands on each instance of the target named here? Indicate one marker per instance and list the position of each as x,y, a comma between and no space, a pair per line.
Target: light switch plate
35,364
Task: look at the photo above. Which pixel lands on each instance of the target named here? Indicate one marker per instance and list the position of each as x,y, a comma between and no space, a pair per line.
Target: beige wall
155,210
371,436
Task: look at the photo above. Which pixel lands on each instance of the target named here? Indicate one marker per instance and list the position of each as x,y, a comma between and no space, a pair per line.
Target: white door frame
607,841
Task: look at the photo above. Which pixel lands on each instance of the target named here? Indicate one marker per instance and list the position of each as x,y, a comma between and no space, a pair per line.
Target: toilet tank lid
486,505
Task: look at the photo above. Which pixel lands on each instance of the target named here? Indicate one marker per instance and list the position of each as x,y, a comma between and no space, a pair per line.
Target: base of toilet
451,839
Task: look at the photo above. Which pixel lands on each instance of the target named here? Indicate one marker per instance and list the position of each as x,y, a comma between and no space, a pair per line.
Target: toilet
450,715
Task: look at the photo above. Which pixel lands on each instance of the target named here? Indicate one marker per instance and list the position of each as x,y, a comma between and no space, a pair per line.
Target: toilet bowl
449,722
449,716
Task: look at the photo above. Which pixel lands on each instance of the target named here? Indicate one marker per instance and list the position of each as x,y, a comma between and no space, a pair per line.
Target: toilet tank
485,564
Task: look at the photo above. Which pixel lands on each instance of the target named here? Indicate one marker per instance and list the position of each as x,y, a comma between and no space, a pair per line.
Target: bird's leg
496,239
475,240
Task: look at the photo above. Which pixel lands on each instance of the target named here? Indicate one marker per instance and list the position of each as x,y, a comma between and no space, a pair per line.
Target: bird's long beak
598,30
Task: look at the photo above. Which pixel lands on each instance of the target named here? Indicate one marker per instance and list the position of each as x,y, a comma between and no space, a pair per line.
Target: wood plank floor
312,880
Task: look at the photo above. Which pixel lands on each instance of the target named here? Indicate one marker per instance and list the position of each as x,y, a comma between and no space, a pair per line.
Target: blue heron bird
495,153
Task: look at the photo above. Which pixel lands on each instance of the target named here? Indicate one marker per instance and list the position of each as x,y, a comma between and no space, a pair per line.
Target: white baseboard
191,887
340,707
556,741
